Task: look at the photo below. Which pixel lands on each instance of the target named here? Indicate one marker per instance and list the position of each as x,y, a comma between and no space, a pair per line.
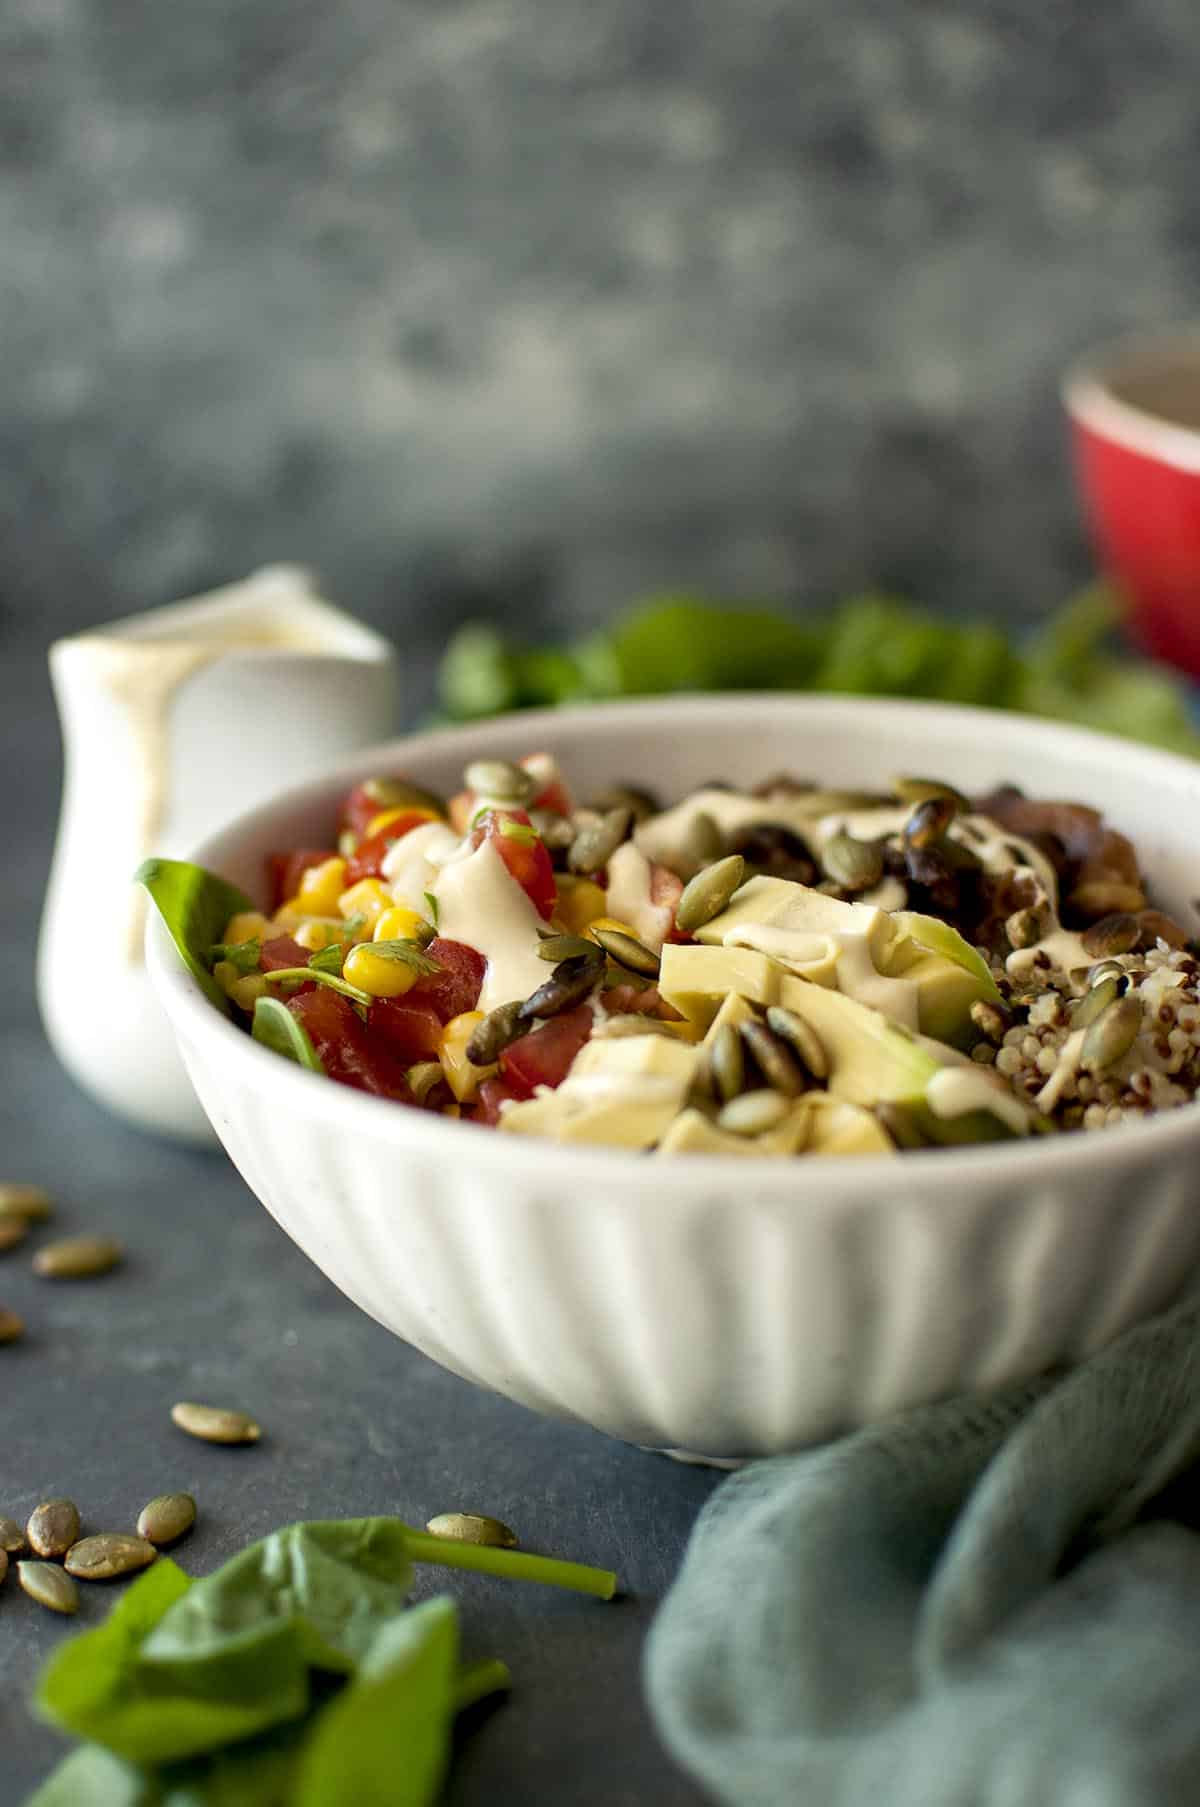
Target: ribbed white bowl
723,1307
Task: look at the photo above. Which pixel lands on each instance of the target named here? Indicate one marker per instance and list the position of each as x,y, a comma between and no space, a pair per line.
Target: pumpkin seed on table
13,1230
500,779
166,1518
12,1325
595,844
29,1204
78,1257
3,1563
214,1423
706,895
628,952
473,1527
801,1037
109,1555
753,1113
49,1585
12,1538
52,1528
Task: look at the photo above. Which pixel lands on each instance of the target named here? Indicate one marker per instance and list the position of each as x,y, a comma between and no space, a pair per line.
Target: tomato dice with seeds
411,1029
367,859
515,840
285,870
281,951
494,1093
544,1057
456,985
345,1047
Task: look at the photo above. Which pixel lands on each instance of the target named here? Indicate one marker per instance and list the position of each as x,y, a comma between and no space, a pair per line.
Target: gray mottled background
527,305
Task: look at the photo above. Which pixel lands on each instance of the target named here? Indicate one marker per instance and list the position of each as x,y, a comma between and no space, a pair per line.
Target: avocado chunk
871,1060
695,980
693,1133
624,1091
836,1127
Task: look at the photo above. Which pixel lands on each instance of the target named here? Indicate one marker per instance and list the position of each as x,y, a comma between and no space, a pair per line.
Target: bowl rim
194,1018
1087,395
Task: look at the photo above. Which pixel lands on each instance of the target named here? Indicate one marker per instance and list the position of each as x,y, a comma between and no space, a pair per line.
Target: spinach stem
479,1680
514,1565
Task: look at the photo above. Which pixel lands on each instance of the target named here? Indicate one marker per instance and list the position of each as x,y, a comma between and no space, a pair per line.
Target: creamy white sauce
897,999
628,897
668,837
411,864
480,903
957,1090
843,962
1063,948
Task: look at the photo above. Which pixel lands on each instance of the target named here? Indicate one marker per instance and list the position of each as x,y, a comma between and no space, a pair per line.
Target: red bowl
1135,417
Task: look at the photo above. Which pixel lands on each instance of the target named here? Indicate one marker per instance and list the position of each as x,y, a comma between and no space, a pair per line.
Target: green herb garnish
431,905
524,832
276,1028
289,975
245,955
295,1674
409,953
329,959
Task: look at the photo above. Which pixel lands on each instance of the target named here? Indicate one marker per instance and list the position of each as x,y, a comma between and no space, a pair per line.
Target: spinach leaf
276,1028
195,905
385,1741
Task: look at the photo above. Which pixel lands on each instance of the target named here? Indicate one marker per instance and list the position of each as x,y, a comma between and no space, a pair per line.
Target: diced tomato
412,1030
455,987
285,870
347,1050
525,858
367,859
492,1094
281,951
666,888
544,1056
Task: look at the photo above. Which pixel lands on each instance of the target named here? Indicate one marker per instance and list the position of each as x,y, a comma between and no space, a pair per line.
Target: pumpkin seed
1154,926
1095,1002
215,1424
705,842
422,1076
12,1325
801,1037
706,895
109,1555
568,985
991,1019
644,804
1024,928
565,947
727,1061
1105,969
837,803
853,864
753,1113
12,1231
473,1527
3,1564
929,821
400,793
1112,1034
1117,933
1098,897
923,790
776,1062
53,1527
12,1538
556,831
701,1094
166,1518
28,1203
501,780
77,1257
499,1028
596,843
633,955
46,1583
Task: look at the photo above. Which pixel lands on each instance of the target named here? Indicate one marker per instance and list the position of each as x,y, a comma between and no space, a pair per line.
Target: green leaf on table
385,1740
195,905
276,1028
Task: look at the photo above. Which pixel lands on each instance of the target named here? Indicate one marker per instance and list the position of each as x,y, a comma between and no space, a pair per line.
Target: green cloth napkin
986,1603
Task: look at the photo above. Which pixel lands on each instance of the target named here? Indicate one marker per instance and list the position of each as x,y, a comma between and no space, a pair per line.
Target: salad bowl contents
563,1002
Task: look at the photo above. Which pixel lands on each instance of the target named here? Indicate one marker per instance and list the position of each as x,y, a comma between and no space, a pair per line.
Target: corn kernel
376,974
249,989
611,923
579,904
320,888
386,817
227,975
316,932
369,898
246,925
462,1076
399,924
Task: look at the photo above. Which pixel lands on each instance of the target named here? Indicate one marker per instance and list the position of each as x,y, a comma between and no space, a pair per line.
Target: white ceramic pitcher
173,721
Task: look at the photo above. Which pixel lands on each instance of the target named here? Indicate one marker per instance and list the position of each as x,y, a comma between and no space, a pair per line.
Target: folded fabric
984,1603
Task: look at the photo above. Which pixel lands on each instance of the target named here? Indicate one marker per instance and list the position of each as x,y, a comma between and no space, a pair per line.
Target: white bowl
725,1308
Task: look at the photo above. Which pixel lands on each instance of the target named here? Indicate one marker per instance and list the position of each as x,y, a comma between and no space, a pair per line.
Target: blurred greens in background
1075,669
